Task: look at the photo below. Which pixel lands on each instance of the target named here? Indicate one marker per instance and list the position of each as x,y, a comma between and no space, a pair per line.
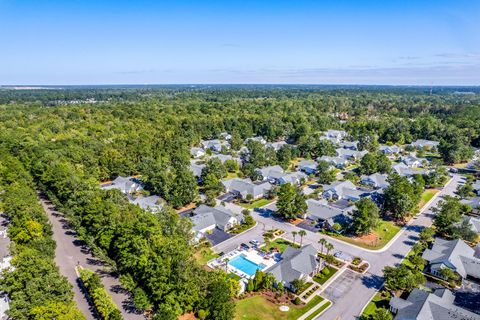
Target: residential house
376,180
352,145
349,154
302,263
308,166
215,145
327,215
225,157
150,203
295,178
244,187
126,185
197,152
270,173
476,187
276,145
412,161
474,223
428,144
196,168
336,134
423,305
258,138
453,254
225,136
402,170
345,190
390,150
473,203
337,162
206,218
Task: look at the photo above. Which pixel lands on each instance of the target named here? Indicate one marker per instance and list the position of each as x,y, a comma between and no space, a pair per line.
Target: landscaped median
319,311
259,308
104,305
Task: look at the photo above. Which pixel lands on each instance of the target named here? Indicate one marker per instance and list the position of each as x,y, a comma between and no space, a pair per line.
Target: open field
258,308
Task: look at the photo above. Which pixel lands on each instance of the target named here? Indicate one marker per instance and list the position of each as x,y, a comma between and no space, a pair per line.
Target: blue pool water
246,266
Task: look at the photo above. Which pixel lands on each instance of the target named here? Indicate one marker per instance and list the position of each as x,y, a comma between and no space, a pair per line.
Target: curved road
70,251
350,292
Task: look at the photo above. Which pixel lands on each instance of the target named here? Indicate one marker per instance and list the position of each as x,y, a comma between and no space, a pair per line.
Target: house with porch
205,219
376,180
453,254
328,215
302,263
345,190
270,173
243,187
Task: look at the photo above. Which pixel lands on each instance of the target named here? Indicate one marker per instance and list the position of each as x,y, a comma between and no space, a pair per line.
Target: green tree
366,216
382,314
402,278
291,203
326,175
400,197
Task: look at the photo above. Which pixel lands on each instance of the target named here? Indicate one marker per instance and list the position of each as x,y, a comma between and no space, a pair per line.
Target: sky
404,42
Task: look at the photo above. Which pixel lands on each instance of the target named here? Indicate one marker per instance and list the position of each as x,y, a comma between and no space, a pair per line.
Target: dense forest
71,139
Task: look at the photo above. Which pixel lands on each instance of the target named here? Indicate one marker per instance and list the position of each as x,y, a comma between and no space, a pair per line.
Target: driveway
71,252
351,294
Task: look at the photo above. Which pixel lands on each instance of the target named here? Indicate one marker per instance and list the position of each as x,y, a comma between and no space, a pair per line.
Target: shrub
325,271
297,301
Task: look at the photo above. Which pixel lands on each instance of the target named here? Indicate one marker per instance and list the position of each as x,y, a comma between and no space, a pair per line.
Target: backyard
377,239
258,308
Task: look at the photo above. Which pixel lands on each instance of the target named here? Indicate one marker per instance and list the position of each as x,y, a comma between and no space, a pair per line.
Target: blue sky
431,42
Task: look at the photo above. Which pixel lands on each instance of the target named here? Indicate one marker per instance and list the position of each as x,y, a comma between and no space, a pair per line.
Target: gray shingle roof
422,305
455,254
205,216
323,211
246,186
295,263
420,143
377,180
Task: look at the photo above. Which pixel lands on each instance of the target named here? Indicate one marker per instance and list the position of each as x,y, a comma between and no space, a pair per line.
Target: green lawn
385,231
231,175
280,244
319,311
256,204
378,301
258,308
427,195
203,255
320,278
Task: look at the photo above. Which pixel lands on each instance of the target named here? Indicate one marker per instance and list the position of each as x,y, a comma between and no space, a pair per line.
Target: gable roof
276,145
271,172
333,160
308,164
196,169
474,223
455,254
377,179
150,203
205,216
323,211
246,186
348,153
295,263
124,184
474,203
422,305
425,143
292,177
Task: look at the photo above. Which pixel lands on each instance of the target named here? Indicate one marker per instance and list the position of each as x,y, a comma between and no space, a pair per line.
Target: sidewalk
318,306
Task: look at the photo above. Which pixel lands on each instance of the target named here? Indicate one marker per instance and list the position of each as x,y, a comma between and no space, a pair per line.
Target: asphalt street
350,292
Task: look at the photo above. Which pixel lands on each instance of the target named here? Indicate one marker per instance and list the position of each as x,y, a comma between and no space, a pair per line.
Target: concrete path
70,252
318,306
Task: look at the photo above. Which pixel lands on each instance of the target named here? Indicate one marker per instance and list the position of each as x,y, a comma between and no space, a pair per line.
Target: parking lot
341,285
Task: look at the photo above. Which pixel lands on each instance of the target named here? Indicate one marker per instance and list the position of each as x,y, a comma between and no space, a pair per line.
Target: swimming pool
246,266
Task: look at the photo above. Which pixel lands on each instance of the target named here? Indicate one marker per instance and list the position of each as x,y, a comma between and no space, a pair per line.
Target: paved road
351,292
71,251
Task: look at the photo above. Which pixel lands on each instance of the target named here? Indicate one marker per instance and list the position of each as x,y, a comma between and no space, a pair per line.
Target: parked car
254,242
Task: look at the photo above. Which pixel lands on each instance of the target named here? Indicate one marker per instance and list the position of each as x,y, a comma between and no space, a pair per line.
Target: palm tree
302,233
322,242
329,247
294,234
226,260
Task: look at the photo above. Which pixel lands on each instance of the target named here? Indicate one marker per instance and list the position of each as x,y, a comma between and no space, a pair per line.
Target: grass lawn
320,278
231,175
256,204
319,311
203,255
280,244
378,301
382,234
427,195
258,308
